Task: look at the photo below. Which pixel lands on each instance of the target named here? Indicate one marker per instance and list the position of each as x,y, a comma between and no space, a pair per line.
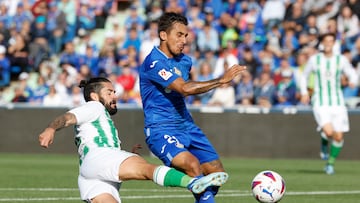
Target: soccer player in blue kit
170,131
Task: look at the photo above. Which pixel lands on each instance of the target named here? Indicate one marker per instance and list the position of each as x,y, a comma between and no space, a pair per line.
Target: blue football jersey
161,105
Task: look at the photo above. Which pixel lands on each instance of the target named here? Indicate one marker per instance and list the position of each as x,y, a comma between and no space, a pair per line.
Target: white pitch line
234,193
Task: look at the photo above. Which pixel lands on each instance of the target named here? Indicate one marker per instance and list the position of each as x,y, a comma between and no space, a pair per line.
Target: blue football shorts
167,142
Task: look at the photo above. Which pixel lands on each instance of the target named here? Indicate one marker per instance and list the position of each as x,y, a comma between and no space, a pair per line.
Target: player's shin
335,151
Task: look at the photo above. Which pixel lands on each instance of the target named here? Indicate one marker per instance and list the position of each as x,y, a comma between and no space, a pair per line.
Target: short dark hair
333,35
168,19
92,85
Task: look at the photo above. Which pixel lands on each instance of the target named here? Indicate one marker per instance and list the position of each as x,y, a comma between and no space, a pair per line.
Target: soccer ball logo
268,187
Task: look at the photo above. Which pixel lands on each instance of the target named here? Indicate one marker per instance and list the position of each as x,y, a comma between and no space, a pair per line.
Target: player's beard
108,107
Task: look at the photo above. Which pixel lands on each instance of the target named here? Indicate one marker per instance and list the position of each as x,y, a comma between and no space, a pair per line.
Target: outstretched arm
196,87
47,136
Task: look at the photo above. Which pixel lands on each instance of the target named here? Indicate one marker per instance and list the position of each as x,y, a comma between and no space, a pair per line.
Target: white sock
159,174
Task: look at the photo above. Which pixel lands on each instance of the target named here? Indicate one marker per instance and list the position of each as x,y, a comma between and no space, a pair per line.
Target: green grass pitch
40,178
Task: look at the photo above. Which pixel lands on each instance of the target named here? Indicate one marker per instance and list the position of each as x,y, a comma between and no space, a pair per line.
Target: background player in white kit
328,103
103,165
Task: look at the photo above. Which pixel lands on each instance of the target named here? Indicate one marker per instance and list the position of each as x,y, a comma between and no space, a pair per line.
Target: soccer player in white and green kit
328,103
103,164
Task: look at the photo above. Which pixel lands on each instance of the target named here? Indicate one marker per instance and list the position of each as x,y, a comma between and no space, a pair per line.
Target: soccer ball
268,187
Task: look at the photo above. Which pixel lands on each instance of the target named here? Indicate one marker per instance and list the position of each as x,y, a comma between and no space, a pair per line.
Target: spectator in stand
19,96
62,85
226,56
107,61
205,74
76,96
85,72
56,25
39,29
244,90
134,20
346,24
18,52
119,31
5,18
330,10
21,16
270,17
252,64
48,70
294,17
126,78
4,68
69,8
86,16
91,60
214,22
133,39
264,90
284,67
289,44
233,8
68,55
216,6
208,39
154,10
150,40
39,51
195,18
355,6
223,96
53,99
209,57
175,6
231,32
22,89
286,90
39,91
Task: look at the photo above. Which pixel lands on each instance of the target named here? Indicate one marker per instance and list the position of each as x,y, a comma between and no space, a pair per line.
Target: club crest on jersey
165,74
177,71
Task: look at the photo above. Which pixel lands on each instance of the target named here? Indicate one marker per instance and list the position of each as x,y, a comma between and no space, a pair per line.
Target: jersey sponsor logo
177,71
152,65
165,74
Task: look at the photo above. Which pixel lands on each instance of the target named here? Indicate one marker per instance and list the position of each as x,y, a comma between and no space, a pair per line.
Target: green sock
166,176
335,151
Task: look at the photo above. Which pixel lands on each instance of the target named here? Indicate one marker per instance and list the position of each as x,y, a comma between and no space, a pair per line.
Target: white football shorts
336,116
99,173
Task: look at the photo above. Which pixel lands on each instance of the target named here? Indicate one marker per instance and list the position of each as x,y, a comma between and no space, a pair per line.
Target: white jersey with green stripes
94,129
327,70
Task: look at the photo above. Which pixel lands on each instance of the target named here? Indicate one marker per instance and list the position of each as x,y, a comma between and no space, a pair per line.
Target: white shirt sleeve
88,112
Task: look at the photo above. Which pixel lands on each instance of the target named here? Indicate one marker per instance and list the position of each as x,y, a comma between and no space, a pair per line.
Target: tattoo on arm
63,121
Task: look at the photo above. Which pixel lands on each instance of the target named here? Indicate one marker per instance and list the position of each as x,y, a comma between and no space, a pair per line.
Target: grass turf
40,178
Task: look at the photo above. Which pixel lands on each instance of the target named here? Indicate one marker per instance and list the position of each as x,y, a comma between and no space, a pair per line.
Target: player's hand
231,73
46,137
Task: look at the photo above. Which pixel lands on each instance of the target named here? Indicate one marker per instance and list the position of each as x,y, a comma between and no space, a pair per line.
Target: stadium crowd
48,46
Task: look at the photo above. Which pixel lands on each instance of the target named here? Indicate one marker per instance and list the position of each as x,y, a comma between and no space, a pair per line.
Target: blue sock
208,196
205,197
